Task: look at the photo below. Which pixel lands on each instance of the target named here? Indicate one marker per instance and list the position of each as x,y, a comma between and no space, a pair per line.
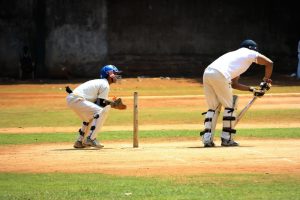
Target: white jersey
234,63
93,89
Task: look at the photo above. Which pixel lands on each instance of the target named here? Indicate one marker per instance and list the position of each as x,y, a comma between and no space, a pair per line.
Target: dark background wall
17,28
143,37
75,36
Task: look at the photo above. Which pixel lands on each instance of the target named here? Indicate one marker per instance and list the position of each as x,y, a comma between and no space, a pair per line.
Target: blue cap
106,69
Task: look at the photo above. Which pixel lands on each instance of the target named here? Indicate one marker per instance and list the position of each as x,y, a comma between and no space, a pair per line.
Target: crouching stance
218,80
90,102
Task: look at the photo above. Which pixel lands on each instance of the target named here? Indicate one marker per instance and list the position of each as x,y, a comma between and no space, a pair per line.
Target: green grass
38,117
38,89
36,138
97,186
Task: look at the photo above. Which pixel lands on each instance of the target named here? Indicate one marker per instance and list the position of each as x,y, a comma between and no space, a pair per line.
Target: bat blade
242,113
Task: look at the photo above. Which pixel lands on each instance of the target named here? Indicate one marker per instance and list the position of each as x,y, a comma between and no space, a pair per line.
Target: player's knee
81,132
208,120
228,115
105,110
85,123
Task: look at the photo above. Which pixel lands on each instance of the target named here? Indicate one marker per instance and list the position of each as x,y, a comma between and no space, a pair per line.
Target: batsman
90,102
218,80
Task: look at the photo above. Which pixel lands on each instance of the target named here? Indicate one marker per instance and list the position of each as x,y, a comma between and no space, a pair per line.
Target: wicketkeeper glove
118,104
257,92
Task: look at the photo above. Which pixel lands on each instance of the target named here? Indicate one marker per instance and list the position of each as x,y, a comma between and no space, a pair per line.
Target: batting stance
90,102
218,80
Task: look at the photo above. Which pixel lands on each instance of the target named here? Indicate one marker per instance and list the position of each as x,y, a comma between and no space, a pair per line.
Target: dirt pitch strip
166,157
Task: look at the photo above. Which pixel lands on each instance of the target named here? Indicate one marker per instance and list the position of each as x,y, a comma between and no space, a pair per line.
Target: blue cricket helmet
106,69
250,44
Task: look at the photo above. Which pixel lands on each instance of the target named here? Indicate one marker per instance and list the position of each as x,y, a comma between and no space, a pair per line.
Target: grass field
97,186
36,138
43,105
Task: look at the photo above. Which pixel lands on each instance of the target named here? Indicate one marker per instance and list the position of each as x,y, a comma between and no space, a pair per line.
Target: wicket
135,121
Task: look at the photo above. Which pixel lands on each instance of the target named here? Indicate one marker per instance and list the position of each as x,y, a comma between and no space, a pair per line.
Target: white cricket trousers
83,108
88,112
217,89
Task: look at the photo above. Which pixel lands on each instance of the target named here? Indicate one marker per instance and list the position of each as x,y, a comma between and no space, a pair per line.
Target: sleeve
103,92
254,56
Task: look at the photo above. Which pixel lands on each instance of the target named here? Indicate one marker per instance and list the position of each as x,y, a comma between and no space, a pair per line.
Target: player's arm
102,98
117,104
236,85
102,102
263,60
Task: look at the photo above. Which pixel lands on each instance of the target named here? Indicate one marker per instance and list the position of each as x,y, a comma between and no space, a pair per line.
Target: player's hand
257,92
267,80
265,85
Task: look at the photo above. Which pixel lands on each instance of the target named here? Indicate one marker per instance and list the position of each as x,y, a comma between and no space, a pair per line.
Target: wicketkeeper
90,102
218,80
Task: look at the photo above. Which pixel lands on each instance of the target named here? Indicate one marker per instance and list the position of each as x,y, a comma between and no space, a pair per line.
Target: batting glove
265,85
257,92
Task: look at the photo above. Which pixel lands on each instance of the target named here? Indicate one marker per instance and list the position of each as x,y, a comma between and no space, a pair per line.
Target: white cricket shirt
234,63
93,89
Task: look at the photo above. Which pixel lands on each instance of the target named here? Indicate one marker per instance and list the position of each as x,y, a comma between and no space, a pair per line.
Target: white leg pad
228,123
83,130
210,124
98,121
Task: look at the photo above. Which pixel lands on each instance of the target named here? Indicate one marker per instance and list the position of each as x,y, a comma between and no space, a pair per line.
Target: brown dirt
155,158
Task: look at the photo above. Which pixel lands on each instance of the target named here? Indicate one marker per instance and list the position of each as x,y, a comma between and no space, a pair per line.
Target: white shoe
209,144
208,140
228,143
92,143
